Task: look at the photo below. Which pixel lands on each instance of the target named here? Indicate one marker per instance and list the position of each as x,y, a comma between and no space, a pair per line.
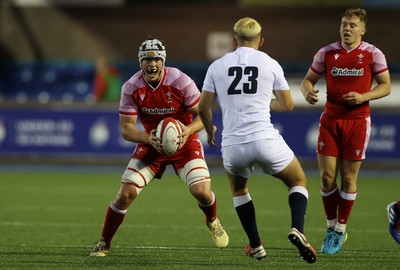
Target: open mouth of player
152,70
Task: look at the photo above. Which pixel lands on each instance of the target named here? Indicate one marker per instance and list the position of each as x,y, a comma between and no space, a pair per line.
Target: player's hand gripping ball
168,131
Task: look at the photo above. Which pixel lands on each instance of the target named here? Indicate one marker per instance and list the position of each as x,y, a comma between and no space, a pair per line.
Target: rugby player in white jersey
248,84
152,94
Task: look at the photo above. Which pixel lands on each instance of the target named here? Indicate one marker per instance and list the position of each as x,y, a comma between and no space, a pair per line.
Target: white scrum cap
152,48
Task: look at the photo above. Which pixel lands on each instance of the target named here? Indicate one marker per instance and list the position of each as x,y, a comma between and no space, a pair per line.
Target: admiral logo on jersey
347,72
158,110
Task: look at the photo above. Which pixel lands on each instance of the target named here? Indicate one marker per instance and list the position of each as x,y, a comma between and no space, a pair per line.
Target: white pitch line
160,226
130,247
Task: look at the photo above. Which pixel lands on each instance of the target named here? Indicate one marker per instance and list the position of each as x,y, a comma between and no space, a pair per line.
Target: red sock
330,201
346,202
111,225
210,211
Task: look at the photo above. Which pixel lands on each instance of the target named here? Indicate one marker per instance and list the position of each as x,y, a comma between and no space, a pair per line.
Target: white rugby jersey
243,82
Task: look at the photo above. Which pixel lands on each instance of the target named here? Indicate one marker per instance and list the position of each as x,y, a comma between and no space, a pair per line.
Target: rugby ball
168,131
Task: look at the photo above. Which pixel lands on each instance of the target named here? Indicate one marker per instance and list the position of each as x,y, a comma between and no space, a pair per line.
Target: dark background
293,32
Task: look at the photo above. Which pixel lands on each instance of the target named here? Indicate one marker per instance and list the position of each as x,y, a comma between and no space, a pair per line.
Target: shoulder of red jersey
134,82
365,46
177,78
332,47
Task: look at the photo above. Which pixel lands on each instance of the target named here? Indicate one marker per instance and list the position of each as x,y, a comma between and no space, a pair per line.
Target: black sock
247,216
298,206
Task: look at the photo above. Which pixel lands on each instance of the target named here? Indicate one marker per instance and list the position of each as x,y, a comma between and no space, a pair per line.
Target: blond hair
247,29
356,12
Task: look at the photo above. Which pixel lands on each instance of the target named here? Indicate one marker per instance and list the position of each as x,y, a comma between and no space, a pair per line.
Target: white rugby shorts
272,155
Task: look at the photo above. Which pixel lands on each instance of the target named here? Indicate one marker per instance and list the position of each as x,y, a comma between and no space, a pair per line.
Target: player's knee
327,185
299,181
125,197
348,179
328,176
238,184
201,191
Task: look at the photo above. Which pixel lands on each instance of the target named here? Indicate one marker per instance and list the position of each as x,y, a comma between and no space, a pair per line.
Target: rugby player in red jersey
350,66
152,94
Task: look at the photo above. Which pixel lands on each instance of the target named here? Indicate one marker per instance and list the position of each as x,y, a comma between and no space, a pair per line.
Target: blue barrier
94,131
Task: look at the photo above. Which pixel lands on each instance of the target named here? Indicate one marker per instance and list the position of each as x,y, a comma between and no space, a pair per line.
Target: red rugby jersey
346,71
173,97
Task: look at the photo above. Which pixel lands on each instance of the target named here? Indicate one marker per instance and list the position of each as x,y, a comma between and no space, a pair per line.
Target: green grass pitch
51,219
